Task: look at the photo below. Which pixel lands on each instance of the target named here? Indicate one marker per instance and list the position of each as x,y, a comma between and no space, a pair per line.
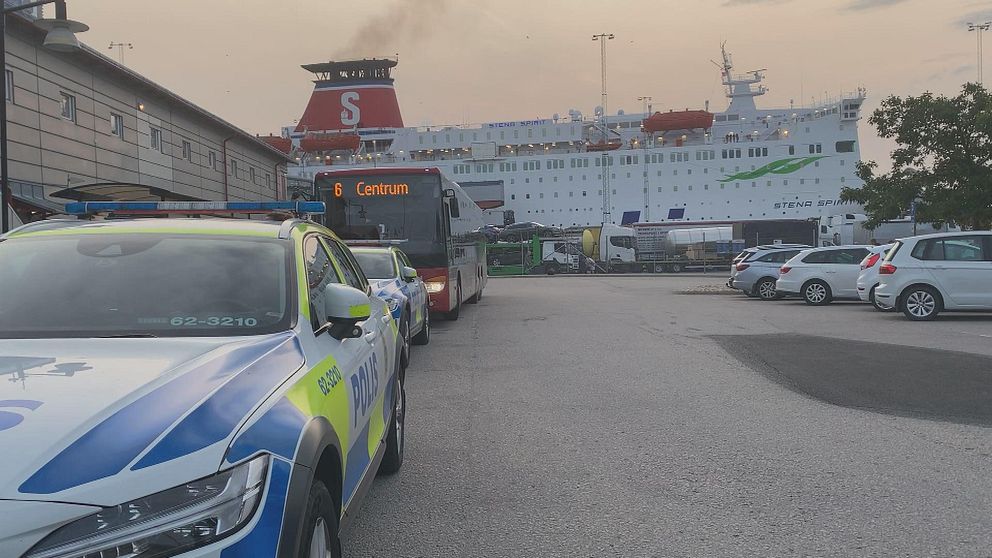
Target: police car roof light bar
194,207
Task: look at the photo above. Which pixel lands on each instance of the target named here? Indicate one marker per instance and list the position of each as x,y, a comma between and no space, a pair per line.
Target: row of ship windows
675,188
675,172
489,135
653,158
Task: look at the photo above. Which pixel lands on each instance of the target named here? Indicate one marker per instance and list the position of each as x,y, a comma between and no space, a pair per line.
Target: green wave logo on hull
782,166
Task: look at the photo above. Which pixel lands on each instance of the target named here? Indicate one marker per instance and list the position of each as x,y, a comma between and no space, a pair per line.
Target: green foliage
943,159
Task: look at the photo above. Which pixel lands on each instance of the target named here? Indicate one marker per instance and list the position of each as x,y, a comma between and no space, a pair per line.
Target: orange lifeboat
684,120
282,144
337,142
604,146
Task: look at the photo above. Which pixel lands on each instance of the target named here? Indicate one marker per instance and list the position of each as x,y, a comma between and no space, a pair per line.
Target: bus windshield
388,207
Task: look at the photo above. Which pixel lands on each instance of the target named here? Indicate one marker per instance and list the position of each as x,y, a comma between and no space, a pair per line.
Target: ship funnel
351,94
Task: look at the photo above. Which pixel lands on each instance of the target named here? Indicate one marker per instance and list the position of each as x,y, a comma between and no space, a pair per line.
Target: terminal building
81,118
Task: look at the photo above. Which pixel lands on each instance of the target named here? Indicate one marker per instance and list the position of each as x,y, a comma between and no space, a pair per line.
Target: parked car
526,229
868,278
756,272
925,275
394,280
820,275
491,232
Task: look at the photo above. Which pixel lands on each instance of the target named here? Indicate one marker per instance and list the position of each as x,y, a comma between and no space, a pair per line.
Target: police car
190,387
396,281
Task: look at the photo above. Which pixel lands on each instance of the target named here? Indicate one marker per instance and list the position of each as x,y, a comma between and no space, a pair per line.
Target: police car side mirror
344,307
408,274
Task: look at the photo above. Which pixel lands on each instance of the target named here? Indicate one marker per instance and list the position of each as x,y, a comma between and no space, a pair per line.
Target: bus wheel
457,310
552,268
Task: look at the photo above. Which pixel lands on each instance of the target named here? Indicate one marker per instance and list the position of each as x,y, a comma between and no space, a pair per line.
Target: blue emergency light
193,207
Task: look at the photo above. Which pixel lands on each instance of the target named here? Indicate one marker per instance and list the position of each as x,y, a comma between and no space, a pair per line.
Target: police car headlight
164,524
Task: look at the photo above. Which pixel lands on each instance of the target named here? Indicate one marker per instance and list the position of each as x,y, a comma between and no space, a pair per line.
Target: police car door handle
370,336
385,319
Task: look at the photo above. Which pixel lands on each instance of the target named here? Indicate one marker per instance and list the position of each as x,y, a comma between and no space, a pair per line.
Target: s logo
8,419
351,114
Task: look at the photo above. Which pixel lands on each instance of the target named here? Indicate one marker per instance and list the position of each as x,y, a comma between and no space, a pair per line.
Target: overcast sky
483,61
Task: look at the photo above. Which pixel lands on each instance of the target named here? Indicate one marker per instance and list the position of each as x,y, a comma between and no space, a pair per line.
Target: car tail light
871,261
784,269
886,269
742,266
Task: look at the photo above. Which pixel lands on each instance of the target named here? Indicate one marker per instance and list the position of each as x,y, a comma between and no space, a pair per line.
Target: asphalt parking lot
617,416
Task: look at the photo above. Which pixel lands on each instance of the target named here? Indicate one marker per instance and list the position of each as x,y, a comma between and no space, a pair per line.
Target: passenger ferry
742,163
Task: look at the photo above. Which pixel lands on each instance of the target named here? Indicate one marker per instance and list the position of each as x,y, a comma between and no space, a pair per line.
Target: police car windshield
142,285
376,265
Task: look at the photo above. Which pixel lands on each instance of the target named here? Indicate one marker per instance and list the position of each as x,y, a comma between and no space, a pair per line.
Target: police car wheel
405,333
424,337
395,439
320,526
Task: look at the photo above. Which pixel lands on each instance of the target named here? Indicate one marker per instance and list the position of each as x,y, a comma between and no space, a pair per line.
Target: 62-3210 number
213,321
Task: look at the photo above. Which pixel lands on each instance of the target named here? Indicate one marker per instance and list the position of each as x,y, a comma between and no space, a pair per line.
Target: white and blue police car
199,388
395,280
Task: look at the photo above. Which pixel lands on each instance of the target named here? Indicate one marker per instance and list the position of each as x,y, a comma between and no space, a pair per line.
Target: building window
68,107
156,139
234,168
212,160
9,75
268,180
187,150
117,125
251,174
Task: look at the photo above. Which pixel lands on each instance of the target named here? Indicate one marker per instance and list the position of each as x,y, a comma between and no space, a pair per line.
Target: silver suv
756,269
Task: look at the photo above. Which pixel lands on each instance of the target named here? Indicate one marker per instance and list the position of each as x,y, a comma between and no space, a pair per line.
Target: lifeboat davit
336,142
604,146
684,120
282,144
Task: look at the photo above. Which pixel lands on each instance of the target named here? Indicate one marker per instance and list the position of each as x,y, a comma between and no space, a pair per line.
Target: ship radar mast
739,89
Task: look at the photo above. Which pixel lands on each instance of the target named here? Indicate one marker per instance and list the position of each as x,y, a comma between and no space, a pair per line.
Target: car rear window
892,251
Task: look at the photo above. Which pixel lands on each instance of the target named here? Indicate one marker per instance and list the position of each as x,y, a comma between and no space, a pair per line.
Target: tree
943,160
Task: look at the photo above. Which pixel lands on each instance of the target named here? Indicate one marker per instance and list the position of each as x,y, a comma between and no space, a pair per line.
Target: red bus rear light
886,269
784,269
871,261
742,266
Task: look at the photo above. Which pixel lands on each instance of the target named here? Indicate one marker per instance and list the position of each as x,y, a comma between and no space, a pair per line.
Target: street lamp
61,37
978,28
602,38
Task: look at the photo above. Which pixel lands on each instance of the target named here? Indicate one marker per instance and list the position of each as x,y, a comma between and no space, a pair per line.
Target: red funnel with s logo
350,95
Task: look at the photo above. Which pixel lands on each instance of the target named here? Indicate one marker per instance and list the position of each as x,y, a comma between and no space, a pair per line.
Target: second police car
200,388
396,281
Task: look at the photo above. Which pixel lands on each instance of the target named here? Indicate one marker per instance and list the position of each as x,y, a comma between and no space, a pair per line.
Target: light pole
602,38
978,28
61,37
120,49
644,144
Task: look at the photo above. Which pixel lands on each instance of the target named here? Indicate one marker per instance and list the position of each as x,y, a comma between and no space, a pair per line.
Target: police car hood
104,421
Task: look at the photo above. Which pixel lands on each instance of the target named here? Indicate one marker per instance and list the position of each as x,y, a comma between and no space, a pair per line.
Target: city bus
425,214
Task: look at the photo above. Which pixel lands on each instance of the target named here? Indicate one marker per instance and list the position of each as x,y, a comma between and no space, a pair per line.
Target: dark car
525,230
491,232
